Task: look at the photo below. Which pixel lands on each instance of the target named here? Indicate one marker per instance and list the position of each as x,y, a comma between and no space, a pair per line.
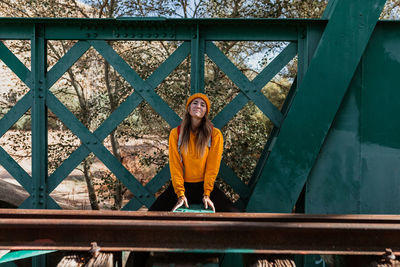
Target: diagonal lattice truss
144,91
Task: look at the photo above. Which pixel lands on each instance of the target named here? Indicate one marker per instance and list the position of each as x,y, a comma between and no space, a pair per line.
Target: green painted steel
325,136
258,83
23,254
143,88
197,62
94,144
39,119
66,62
311,114
246,87
15,65
336,136
156,29
364,135
379,151
197,37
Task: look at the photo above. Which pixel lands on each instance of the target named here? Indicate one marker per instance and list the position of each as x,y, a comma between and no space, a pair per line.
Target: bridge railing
196,38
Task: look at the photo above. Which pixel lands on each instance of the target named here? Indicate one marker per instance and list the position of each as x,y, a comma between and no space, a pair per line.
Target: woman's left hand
208,203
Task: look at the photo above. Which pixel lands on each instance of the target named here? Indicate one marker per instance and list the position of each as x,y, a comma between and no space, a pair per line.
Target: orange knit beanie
199,95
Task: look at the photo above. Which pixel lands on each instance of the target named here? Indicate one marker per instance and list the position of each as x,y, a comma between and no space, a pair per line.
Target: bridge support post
39,127
197,62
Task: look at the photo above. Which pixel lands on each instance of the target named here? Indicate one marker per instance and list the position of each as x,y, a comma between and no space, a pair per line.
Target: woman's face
197,108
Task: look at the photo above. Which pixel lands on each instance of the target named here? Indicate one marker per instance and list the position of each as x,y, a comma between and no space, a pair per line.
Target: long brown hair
203,133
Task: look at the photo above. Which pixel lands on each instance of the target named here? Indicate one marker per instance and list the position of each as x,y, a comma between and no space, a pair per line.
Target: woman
195,151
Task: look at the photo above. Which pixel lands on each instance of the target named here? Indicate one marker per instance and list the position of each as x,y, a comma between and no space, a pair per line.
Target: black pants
194,194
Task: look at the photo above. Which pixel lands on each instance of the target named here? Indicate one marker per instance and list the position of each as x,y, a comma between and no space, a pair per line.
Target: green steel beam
315,105
66,62
229,176
307,44
170,64
39,126
51,204
15,30
39,118
161,178
15,113
197,62
261,31
264,77
16,171
9,119
101,133
117,116
23,254
302,58
230,110
142,87
156,29
93,143
15,65
276,65
247,88
329,9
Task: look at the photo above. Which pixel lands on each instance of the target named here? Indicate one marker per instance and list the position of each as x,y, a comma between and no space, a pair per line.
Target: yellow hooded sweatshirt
197,168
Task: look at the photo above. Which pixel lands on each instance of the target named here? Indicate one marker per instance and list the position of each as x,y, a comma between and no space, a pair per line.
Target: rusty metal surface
220,232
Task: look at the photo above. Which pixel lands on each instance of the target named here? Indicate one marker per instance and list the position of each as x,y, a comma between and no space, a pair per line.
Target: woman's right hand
181,200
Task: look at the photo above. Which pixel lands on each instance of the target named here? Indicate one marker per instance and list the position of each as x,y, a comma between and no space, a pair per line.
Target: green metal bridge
336,139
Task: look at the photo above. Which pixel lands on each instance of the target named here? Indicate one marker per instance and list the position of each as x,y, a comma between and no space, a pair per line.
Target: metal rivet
88,34
41,187
148,35
41,195
117,34
140,196
171,35
147,196
95,142
88,143
156,35
41,201
133,35
140,35
95,34
125,35
164,35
